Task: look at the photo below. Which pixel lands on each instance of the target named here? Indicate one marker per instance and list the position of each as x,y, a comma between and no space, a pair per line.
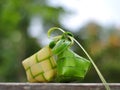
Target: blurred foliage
102,43
15,42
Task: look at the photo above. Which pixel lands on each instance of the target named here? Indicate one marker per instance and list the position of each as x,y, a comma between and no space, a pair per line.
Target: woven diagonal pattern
41,67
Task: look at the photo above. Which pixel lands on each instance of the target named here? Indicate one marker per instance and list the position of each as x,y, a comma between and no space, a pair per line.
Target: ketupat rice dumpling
40,67
70,66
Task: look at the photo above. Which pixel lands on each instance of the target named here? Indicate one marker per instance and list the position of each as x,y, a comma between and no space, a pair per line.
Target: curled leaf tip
53,29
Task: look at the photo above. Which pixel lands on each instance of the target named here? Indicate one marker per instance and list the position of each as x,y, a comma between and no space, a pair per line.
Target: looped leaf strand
94,65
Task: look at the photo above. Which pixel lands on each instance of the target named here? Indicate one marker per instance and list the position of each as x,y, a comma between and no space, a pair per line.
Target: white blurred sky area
104,12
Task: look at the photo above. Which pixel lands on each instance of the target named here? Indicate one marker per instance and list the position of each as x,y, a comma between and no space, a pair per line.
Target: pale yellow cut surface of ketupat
40,67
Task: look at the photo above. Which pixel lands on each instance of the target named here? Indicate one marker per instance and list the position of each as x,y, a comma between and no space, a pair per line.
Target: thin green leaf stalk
94,65
96,68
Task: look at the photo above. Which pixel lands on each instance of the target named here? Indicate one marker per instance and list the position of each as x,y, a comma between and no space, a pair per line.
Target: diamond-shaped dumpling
40,67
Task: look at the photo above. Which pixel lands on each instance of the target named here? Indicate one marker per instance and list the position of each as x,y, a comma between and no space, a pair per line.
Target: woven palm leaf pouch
40,67
70,66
